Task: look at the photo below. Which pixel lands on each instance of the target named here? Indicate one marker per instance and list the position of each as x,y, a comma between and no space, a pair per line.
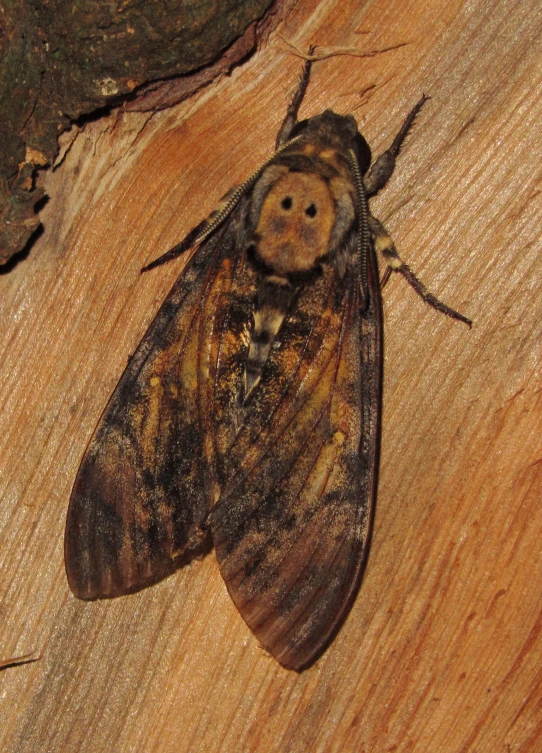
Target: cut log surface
441,651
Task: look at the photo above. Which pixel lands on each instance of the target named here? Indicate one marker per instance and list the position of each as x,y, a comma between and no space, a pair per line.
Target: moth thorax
295,223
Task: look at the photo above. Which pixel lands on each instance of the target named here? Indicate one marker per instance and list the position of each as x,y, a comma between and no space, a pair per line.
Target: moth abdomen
274,297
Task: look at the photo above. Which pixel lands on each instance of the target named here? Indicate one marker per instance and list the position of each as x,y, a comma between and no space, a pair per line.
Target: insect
249,416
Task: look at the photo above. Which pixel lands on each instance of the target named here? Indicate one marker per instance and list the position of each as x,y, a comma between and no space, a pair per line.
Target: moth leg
383,167
384,244
293,108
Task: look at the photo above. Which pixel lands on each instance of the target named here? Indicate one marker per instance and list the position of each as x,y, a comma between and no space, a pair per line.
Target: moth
248,418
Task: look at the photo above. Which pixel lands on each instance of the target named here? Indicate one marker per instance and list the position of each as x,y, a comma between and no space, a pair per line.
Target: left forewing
148,478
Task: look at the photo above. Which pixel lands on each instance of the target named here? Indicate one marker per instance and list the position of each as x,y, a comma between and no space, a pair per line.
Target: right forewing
291,528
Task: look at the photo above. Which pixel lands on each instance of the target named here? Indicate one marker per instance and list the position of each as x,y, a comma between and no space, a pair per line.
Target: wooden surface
441,651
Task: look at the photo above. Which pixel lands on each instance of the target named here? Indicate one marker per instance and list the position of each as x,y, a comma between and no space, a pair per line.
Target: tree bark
65,59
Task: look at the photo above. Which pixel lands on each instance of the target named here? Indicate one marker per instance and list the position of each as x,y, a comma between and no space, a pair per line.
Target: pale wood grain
442,649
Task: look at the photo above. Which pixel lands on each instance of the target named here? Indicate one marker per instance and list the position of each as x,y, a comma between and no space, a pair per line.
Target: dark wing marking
149,476
291,527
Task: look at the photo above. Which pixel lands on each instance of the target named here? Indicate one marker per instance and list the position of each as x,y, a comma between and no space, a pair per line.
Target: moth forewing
249,416
141,498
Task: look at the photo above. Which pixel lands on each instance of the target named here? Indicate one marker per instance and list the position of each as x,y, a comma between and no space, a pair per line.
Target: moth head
299,217
338,131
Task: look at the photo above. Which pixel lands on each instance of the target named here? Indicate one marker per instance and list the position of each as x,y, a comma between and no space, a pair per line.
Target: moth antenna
205,228
202,231
363,234
15,661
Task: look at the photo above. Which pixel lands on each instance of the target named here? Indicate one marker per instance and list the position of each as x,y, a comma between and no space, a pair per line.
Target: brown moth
249,416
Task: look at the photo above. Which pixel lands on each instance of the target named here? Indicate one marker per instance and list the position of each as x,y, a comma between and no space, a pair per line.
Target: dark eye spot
286,203
311,210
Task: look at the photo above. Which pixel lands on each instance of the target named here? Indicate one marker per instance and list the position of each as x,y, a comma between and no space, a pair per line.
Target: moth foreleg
384,244
383,167
293,108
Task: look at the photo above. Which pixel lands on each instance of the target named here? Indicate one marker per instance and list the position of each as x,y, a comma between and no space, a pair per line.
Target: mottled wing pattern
149,475
291,527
